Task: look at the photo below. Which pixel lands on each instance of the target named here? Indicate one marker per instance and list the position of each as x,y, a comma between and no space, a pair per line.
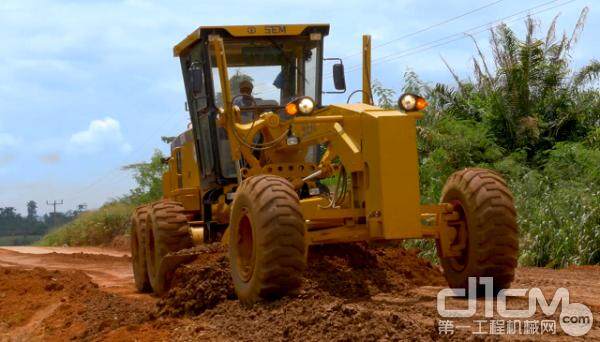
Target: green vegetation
148,177
16,229
19,240
97,227
538,123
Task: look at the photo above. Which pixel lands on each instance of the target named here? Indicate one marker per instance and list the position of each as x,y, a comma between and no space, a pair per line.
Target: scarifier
272,173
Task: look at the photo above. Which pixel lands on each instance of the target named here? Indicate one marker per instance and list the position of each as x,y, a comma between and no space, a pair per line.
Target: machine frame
338,126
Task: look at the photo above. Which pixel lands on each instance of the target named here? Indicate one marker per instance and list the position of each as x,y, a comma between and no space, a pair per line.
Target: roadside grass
559,208
95,227
19,240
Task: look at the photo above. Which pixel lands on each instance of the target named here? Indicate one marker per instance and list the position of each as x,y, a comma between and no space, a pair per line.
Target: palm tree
527,95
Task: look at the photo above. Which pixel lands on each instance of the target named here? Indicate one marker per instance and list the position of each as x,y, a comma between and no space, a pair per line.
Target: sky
89,86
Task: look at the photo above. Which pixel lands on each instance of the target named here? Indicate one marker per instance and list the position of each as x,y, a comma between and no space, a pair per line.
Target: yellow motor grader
270,170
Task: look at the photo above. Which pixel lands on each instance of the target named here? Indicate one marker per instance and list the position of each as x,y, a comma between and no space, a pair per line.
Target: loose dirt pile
23,293
359,271
62,305
343,297
199,285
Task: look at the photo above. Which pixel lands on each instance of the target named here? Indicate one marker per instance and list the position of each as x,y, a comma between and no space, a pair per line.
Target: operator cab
282,62
280,69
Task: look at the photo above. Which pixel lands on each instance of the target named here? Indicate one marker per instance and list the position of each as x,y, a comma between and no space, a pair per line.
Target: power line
460,35
441,23
457,36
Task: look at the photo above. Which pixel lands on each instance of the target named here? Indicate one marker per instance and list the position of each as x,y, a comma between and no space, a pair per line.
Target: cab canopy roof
244,31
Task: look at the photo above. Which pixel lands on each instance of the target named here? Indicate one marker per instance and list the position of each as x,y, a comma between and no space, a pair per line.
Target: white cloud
100,135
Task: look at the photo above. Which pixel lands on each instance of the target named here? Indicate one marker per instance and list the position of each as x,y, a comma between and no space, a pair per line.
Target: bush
92,228
148,176
559,208
449,145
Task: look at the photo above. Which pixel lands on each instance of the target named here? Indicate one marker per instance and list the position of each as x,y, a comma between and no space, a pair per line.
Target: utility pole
54,204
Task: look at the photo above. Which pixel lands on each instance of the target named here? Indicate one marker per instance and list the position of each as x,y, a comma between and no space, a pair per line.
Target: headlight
303,105
306,105
408,102
411,103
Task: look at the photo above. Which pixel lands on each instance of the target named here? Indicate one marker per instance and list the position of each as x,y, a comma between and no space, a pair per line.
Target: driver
245,99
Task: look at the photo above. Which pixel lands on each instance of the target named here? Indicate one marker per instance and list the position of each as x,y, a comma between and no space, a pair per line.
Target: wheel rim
459,263
245,248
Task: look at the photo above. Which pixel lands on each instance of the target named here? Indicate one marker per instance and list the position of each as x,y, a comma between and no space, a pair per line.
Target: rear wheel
167,232
138,251
488,226
267,246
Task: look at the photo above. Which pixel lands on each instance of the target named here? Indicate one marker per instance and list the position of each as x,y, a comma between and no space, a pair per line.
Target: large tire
487,208
138,250
267,247
167,232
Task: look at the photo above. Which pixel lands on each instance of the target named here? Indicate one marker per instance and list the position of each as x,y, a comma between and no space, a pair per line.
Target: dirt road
109,269
88,294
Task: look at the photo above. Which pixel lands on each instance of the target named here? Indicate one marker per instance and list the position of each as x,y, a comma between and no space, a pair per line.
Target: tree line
12,223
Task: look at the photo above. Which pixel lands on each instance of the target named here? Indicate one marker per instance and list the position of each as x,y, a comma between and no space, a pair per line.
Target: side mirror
196,79
339,78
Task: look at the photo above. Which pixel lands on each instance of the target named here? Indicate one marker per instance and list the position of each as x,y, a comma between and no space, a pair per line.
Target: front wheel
487,224
267,248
